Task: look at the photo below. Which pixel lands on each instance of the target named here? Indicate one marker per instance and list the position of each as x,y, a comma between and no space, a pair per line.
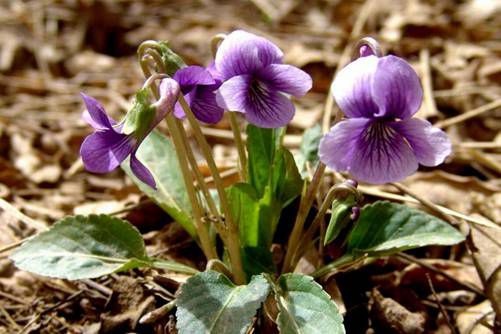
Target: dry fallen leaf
471,320
486,246
394,317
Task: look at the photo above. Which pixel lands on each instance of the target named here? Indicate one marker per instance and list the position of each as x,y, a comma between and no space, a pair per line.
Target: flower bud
169,92
344,209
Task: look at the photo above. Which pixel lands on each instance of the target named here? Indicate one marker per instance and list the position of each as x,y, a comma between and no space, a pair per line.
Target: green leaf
340,216
256,219
274,182
158,154
308,150
286,180
210,303
262,145
305,307
80,247
385,228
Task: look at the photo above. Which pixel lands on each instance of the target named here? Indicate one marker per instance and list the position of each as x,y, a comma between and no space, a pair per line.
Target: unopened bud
169,92
367,46
355,213
352,183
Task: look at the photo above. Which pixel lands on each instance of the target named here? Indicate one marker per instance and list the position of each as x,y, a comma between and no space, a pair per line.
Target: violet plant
378,142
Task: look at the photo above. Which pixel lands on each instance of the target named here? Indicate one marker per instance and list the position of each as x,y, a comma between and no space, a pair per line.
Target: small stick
426,203
469,114
442,309
486,145
13,298
157,314
412,259
13,211
9,318
375,192
429,101
13,245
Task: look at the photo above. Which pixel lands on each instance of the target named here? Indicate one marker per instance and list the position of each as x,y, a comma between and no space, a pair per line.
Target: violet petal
141,172
244,53
396,88
95,115
269,109
382,155
103,151
232,95
204,106
430,145
287,78
352,88
190,76
337,147
262,106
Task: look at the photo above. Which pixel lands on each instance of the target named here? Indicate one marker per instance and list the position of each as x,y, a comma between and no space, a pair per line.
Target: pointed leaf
386,228
305,307
308,150
83,247
158,154
262,145
210,303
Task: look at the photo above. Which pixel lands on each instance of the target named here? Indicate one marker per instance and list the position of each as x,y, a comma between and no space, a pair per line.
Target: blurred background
52,50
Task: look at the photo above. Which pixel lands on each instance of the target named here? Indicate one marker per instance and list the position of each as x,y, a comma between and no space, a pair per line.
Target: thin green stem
237,134
173,266
304,208
341,264
233,238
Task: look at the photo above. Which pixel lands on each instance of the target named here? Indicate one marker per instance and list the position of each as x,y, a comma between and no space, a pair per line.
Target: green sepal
172,61
138,120
340,217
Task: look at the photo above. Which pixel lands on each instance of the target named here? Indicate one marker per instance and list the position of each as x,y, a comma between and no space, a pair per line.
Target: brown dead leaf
415,275
130,303
486,246
471,320
393,317
99,207
452,191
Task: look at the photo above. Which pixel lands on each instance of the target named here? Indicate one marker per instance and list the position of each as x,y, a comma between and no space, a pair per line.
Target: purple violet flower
106,148
255,82
198,87
379,141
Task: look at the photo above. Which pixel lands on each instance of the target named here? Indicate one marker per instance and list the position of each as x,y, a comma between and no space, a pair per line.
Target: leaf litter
52,50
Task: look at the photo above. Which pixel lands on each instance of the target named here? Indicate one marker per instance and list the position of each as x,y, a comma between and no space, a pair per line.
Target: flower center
379,132
258,93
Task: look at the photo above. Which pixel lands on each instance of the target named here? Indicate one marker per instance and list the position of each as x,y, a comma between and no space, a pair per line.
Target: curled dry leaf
394,317
452,191
486,246
472,320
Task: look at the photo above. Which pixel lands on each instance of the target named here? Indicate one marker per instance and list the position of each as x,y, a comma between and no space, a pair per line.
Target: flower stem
237,134
203,229
303,243
208,247
233,238
200,179
304,208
